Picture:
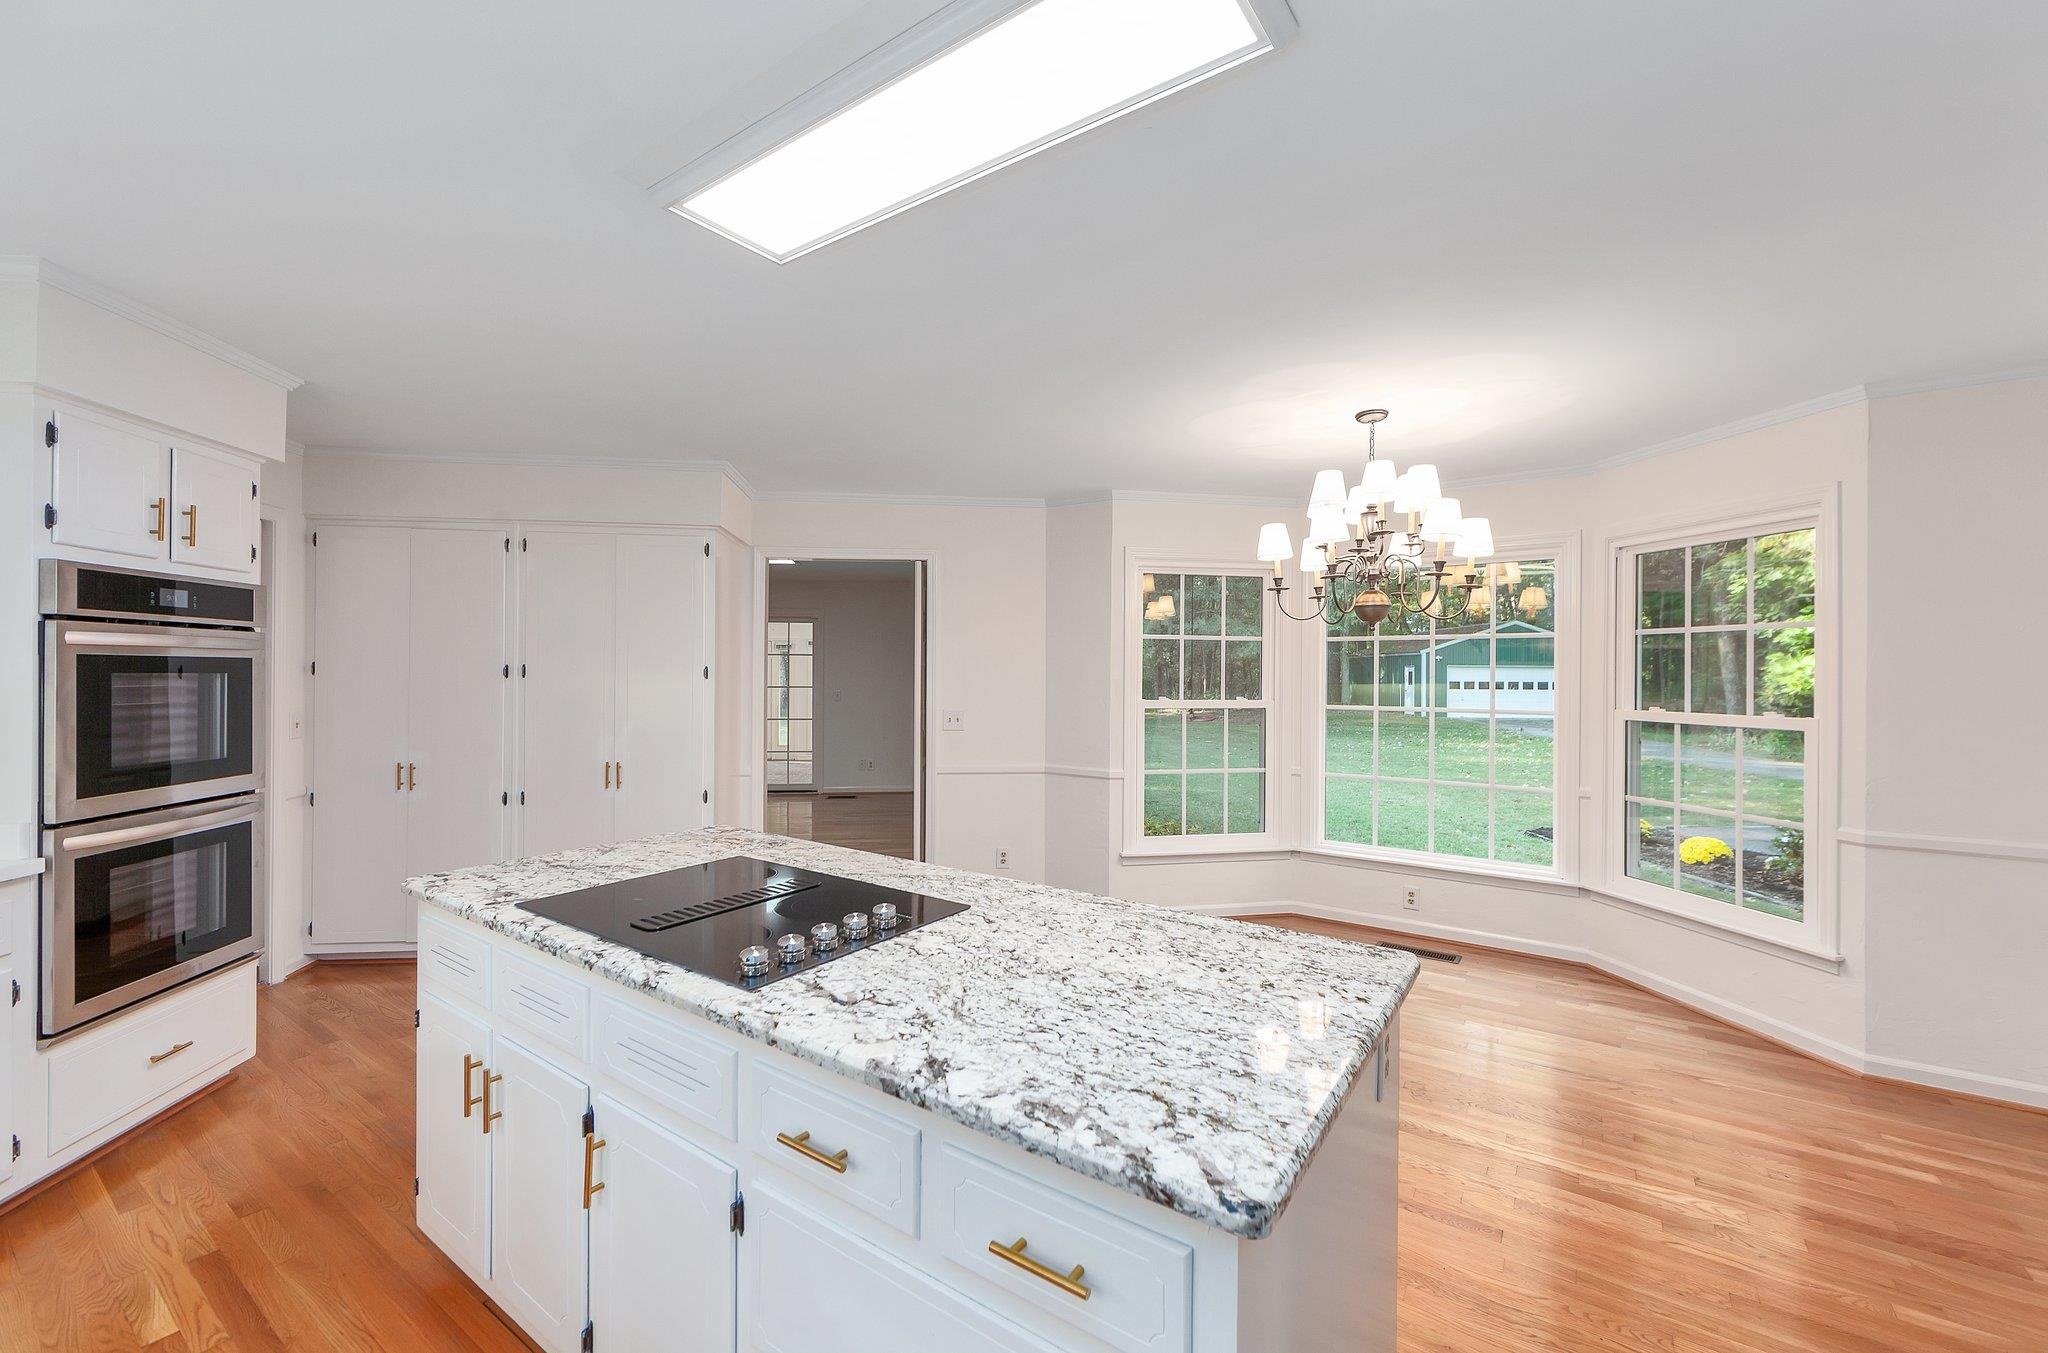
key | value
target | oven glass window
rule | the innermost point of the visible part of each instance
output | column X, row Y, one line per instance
column 145, row 722
column 139, row 910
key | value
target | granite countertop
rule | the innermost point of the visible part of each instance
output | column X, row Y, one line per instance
column 1191, row 1060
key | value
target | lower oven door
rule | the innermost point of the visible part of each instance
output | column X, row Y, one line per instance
column 135, row 905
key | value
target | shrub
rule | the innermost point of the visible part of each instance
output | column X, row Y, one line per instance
column 1643, row 829
column 1698, row 850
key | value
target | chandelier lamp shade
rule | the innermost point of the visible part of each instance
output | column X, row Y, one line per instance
column 1393, row 542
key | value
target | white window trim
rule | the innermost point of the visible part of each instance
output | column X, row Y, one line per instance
column 1564, row 772
column 1137, row 845
column 1819, row 933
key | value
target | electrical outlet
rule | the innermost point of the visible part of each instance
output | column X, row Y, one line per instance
column 1002, row 859
column 1408, row 901
column 298, row 726
column 956, row 721
column 867, row 765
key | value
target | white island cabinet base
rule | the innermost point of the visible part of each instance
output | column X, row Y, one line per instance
column 694, row 1130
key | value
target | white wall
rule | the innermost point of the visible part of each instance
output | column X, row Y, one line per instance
column 1955, row 840
column 864, row 672
column 986, row 657
column 285, row 580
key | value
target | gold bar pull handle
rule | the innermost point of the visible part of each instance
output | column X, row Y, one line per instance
column 166, row 1056
column 470, row 1066
column 191, row 515
column 162, row 529
column 1068, row 1282
column 801, row 1144
column 592, row 1144
column 398, row 776
column 410, row 783
column 607, row 775
column 618, row 775
column 490, row 1115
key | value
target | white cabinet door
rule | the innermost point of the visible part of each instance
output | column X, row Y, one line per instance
column 665, row 1209
column 215, row 516
column 362, row 576
column 7, row 1009
column 813, row 1288
column 540, row 1235
column 566, row 584
column 452, row 1152
column 660, row 684
column 457, row 695
column 111, row 486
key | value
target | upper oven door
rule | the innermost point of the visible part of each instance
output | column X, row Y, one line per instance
column 141, row 716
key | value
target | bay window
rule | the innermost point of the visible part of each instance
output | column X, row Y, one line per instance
column 1440, row 738
column 1717, row 725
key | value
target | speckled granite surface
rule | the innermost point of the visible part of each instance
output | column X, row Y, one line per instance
column 1188, row 1059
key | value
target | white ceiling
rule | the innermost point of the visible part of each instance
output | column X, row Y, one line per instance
column 1543, row 233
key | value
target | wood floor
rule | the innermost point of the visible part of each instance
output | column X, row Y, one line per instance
column 878, row 822
column 1584, row 1166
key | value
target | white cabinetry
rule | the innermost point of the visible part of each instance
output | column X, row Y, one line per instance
column 410, row 693
column 616, row 705
column 8, row 1009
column 540, row 1240
column 664, row 1207
column 450, row 1055
column 120, row 493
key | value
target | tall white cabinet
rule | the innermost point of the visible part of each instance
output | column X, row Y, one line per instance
column 410, row 707
column 486, row 692
column 615, row 704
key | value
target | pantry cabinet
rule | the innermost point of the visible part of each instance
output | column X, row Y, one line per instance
column 615, row 697
column 119, row 493
column 410, row 702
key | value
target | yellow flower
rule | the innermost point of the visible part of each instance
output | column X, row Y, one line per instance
column 1643, row 828
column 1703, row 850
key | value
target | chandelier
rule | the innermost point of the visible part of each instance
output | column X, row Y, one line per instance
column 1392, row 543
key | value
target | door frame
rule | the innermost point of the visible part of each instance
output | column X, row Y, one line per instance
column 923, row 833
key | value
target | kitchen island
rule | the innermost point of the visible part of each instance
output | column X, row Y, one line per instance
column 1049, row 1121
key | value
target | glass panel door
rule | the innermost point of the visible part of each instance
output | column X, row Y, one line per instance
column 791, row 755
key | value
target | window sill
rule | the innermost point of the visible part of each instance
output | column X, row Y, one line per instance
column 1482, row 871
column 1812, row 954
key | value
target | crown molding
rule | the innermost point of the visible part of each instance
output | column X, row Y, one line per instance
column 557, row 462
column 85, row 289
column 894, row 500
column 1894, row 389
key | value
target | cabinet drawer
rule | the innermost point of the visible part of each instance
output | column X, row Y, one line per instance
column 453, row 963
column 548, row 1005
column 691, row 1075
column 813, row 1288
column 870, row 1159
column 1139, row 1283
column 104, row 1075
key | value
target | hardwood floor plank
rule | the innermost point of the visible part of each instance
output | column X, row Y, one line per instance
column 1584, row 1167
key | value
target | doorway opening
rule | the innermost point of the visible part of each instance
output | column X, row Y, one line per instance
column 843, row 746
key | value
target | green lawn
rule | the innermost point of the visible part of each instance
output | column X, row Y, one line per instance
column 1520, row 755
column 1773, row 782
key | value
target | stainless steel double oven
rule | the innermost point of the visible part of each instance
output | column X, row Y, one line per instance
column 152, row 785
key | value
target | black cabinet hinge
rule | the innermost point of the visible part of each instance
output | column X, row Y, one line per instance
column 590, row 1122
column 316, row 540
column 17, row 1148
column 707, row 796
column 508, row 671
column 522, row 798
column 505, row 800
column 707, row 674
column 415, row 1186
column 49, row 515
column 522, row 544
column 309, row 798
column 50, row 433
column 737, row 1218
column 309, row 927
column 252, row 488
column 17, row 994
column 589, row 1336
column 707, row 549
column 522, row 671
column 252, row 554
column 415, row 1019
column 313, row 669
column 508, row 544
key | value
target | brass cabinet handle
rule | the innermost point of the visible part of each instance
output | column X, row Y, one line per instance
column 410, row 783
column 1069, row 1282
column 162, row 528
column 469, row 1101
column 490, row 1116
column 801, row 1144
column 166, row 1056
column 618, row 775
column 592, row 1144
column 191, row 515
column 398, row 775
column 607, row 775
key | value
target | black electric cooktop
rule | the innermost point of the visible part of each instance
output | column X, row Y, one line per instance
column 744, row 921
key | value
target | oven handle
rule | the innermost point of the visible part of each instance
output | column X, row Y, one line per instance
column 243, row 640
column 160, row 830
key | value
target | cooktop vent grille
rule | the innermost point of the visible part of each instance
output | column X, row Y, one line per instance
column 718, row 906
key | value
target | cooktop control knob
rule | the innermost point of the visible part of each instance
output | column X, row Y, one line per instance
column 826, row 936
column 791, row 947
column 754, row 960
column 855, row 924
column 885, row 915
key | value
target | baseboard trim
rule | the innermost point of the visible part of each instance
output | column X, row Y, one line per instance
column 1832, row 1052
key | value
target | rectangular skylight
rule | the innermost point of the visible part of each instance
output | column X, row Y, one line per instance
column 982, row 84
